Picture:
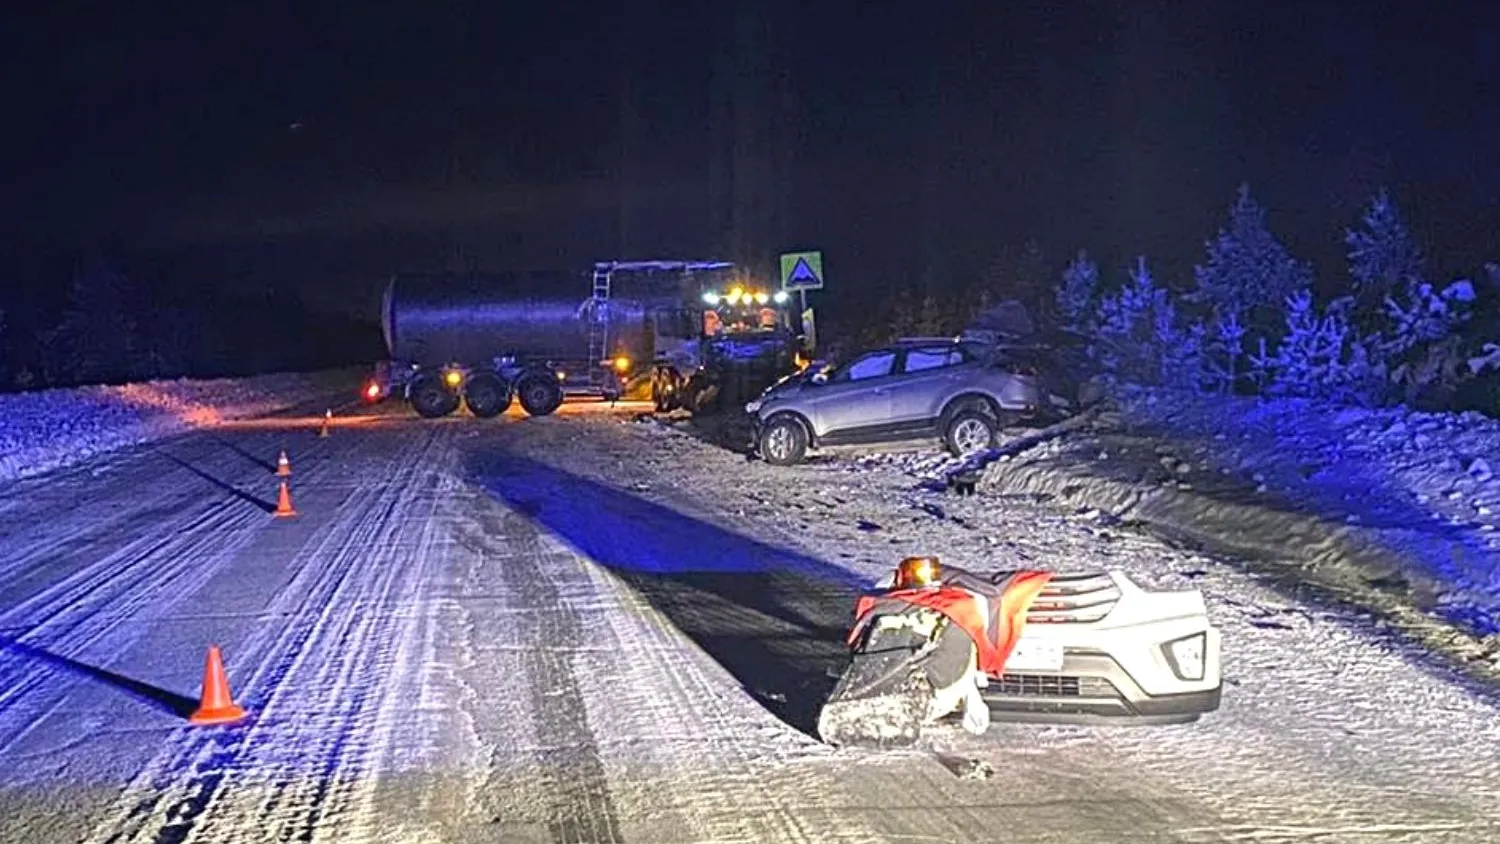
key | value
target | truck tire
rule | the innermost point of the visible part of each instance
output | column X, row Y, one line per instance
column 783, row 441
column 539, row 396
column 663, row 396
column 487, row 395
column 700, row 395
column 430, row 398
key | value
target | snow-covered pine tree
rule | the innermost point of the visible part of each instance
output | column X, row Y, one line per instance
column 1137, row 336
column 1178, row 350
column 1248, row 271
column 1223, row 351
column 1312, row 360
column 1117, row 346
column 1421, row 346
column 1383, row 256
column 1262, row 365
column 1077, row 291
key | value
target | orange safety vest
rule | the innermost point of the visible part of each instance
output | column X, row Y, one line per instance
column 994, row 637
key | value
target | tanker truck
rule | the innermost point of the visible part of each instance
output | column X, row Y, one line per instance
column 484, row 341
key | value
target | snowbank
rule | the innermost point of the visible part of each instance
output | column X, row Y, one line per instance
column 1386, row 507
column 50, row 429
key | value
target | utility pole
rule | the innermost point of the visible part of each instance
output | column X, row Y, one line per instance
column 629, row 130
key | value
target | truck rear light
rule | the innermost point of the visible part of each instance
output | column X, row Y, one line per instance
column 372, row 391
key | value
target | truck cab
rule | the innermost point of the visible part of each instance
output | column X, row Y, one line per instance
column 744, row 341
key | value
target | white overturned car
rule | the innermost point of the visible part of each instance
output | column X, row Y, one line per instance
column 1020, row 646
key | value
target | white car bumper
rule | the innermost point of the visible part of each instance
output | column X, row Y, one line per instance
column 1098, row 648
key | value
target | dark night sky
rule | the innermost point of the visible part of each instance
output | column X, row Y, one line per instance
column 896, row 136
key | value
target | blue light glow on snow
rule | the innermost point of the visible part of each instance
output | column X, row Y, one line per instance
column 774, row 618
column 626, row 532
column 1313, row 464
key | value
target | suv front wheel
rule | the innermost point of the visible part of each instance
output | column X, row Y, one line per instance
column 783, row 442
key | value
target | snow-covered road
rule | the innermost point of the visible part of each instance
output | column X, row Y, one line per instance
column 585, row 628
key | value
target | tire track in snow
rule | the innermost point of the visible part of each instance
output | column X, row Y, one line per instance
column 137, row 488
column 340, row 741
column 663, row 684
column 84, row 609
column 686, row 691
column 288, row 778
column 577, row 802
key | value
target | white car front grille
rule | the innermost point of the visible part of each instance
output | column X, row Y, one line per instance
column 1075, row 599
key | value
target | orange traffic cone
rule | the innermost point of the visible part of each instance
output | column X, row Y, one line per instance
column 327, row 419
column 283, row 466
column 215, row 705
column 284, row 503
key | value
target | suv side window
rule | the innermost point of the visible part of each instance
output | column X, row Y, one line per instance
column 872, row 365
column 938, row 357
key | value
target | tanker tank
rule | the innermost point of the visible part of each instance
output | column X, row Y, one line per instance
column 433, row 321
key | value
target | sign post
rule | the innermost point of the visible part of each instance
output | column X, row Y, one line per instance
column 810, row 330
column 802, row 271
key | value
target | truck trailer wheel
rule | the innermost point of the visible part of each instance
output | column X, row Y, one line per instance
column 539, row 396
column 430, row 398
column 486, row 395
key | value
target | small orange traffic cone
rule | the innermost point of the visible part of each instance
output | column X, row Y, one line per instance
column 284, row 503
column 327, row 420
column 215, row 705
column 283, row 466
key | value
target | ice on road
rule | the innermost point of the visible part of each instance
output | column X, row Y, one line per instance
column 584, row 628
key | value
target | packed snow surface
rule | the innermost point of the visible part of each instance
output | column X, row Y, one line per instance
column 49, row 429
column 587, row 628
column 1389, row 509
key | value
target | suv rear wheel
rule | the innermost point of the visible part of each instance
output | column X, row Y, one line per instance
column 969, row 431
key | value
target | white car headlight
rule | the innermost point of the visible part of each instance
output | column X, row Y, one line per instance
column 1187, row 656
column 754, row 406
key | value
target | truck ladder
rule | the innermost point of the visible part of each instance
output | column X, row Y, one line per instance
column 599, row 324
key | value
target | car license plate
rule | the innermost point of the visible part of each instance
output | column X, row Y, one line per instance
column 1035, row 655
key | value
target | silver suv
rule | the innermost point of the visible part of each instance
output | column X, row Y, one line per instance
column 958, row 391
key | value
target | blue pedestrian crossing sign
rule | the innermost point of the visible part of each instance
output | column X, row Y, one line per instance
column 802, row 271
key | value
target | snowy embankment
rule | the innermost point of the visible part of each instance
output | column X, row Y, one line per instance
column 51, row 429
column 1389, row 509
